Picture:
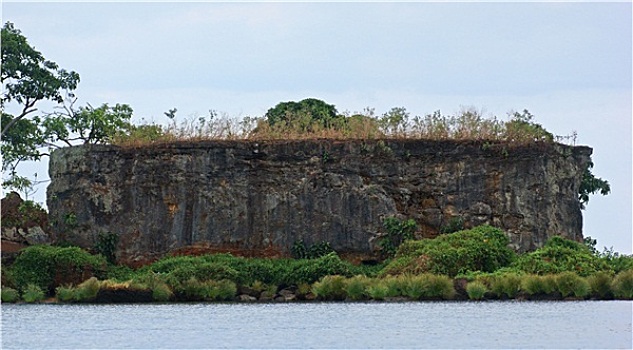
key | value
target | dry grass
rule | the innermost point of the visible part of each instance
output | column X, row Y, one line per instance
column 468, row 125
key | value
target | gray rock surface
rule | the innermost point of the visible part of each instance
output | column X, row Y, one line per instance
column 258, row 198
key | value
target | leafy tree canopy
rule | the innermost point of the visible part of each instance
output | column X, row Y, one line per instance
column 27, row 79
column 309, row 110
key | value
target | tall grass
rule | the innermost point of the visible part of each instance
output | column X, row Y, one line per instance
column 476, row 290
column 622, row 285
column 570, row 284
column 468, row 124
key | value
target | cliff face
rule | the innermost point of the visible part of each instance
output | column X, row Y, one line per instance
column 260, row 198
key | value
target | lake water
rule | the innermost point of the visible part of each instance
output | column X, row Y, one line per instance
column 511, row 324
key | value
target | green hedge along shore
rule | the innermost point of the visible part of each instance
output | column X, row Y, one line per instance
column 471, row 264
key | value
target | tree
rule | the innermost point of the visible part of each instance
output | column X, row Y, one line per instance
column 27, row 77
column 305, row 112
column 590, row 185
column 88, row 125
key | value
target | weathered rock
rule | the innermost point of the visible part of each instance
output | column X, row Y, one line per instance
column 35, row 235
column 246, row 297
column 244, row 196
column 23, row 222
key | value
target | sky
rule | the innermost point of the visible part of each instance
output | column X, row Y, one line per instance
column 569, row 64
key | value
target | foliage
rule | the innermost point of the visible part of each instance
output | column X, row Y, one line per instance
column 521, row 125
column 378, row 290
column 40, row 264
column 397, row 232
column 536, row 284
column 66, row 293
column 89, row 125
column 622, row 285
column 559, row 255
column 9, row 295
column 506, row 285
column 32, row 293
column 27, row 78
column 600, row 284
column 476, row 290
column 330, row 288
column 483, row 248
column 305, row 112
column 299, row 250
column 356, row 287
column 591, row 185
column 106, row 246
column 570, row 283
column 310, row 271
column 454, row 225
column 194, row 290
column 88, row 290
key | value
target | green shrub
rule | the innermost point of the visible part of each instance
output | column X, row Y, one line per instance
column 88, row 290
column 417, row 287
column 310, row 271
column 622, row 285
column 395, row 285
column 397, row 232
column 9, row 295
column 33, row 293
column 222, row 290
column 195, row 290
column 600, row 284
column 569, row 283
column 483, row 248
column 441, row 287
column 356, row 287
column 66, row 293
column 534, row 284
column 378, row 290
column 511, row 284
column 300, row 250
column 561, row 255
column 476, row 290
column 330, row 288
column 161, row 292
column 41, row 264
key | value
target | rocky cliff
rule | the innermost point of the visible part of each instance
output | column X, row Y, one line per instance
column 259, row 198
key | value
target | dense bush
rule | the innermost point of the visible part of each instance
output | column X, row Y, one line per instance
column 569, row 283
column 330, row 288
column 476, row 290
column 622, row 285
column 33, row 293
column 560, row 255
column 9, row 295
column 483, row 248
column 600, row 284
column 356, row 287
column 49, row 266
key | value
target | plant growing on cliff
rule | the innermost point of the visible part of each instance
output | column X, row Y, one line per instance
column 397, row 232
column 106, row 245
column 591, row 185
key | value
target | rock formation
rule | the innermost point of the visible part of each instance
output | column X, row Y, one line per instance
column 260, row 197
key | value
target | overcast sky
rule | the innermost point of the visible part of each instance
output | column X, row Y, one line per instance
column 569, row 64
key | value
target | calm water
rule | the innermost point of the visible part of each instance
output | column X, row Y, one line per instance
column 599, row 324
